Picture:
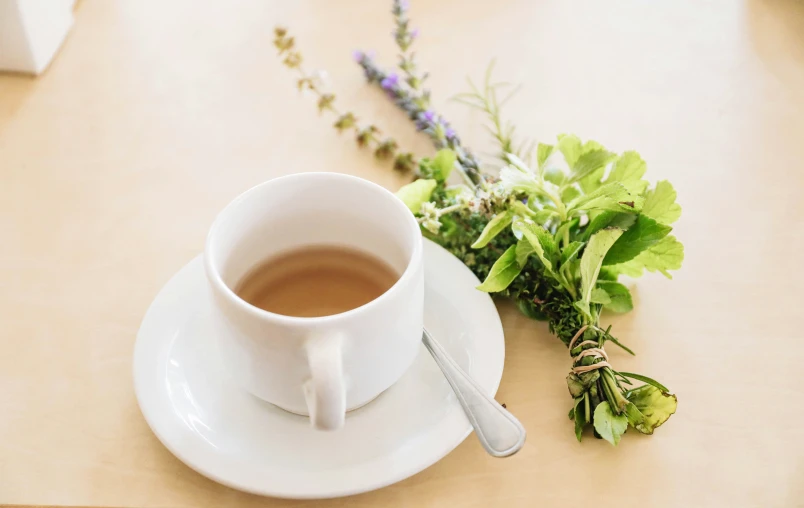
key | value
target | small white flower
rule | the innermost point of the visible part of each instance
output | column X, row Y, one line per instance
column 428, row 210
column 431, row 225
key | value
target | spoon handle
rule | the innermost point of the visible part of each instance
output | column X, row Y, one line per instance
column 499, row 431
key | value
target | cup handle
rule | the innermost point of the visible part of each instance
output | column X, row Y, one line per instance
column 325, row 391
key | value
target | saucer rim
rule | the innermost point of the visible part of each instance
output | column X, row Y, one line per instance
column 140, row 385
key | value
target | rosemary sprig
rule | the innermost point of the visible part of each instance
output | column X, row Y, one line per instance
column 486, row 101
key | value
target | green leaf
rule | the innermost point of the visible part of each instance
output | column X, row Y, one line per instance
column 570, row 252
column 663, row 256
column 523, row 251
column 543, row 243
column 543, row 215
column 415, row 194
column 600, row 296
column 570, row 146
column 646, row 379
column 591, row 146
column 655, row 405
column 660, row 203
column 633, row 415
column 592, row 259
column 644, row 233
column 628, row 171
column 611, row 196
column 575, row 385
column 609, row 425
column 589, row 162
column 502, row 273
column 453, row 191
column 542, row 153
column 583, row 308
column 494, row 227
column 606, row 273
column 443, row 163
column 619, row 295
column 592, row 181
column 606, row 218
column 569, row 194
column 554, row 176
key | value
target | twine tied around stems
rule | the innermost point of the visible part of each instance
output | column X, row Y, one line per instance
column 595, row 352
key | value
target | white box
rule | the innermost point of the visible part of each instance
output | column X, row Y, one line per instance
column 31, row 31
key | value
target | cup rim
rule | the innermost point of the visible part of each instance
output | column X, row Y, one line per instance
column 218, row 284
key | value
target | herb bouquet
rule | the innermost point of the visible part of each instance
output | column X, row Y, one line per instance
column 553, row 234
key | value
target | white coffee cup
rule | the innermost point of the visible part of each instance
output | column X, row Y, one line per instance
column 320, row 366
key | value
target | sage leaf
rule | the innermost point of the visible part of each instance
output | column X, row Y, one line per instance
column 620, row 297
column 502, row 273
column 609, row 425
column 655, row 405
column 415, row 194
column 643, row 234
column 494, row 227
column 592, row 259
column 660, row 203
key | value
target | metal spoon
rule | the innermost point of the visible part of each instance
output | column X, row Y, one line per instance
column 499, row 431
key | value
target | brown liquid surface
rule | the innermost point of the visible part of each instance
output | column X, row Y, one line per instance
column 316, row 281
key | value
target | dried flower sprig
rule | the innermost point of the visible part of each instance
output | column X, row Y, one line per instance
column 365, row 135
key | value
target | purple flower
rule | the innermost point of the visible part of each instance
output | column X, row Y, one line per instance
column 450, row 133
column 358, row 55
column 429, row 115
column 390, row 81
column 414, row 33
column 404, row 5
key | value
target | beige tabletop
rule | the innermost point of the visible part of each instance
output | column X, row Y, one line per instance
column 155, row 114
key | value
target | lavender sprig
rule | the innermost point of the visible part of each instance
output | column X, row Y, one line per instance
column 404, row 38
column 426, row 120
column 366, row 136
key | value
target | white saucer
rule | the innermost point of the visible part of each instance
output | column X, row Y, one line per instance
column 228, row 435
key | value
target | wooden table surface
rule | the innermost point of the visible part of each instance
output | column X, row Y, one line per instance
column 155, row 114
